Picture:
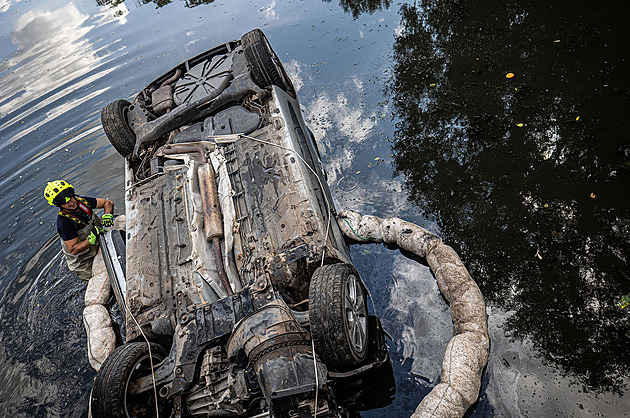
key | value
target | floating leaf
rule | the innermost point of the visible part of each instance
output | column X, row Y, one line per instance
column 432, row 85
column 592, row 195
column 538, row 254
column 578, row 118
column 509, row 75
column 520, row 125
column 358, row 172
column 377, row 158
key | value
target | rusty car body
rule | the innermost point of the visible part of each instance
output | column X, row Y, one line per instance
column 234, row 280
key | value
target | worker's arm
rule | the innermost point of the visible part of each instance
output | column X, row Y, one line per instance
column 75, row 246
column 105, row 204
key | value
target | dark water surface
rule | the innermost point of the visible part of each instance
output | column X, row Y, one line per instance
column 526, row 177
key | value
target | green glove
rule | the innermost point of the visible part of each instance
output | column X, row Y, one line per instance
column 92, row 238
column 107, row 220
column 99, row 229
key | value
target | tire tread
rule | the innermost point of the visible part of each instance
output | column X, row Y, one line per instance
column 116, row 128
column 261, row 60
column 326, row 314
column 108, row 393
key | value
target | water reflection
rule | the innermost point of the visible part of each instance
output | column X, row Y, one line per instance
column 357, row 7
column 158, row 3
column 38, row 380
column 526, row 173
column 354, row 7
column 41, row 40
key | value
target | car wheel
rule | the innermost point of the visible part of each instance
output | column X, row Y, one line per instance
column 338, row 316
column 113, row 118
column 265, row 66
column 110, row 394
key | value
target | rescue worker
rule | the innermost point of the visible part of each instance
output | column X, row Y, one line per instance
column 77, row 224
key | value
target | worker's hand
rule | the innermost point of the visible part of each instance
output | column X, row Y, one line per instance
column 92, row 238
column 107, row 220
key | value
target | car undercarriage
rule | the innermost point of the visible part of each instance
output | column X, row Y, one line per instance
column 235, row 283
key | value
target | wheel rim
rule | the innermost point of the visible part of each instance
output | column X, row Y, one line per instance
column 143, row 404
column 356, row 314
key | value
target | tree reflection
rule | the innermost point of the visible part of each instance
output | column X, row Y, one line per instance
column 358, row 7
column 355, row 7
column 158, row 3
column 527, row 175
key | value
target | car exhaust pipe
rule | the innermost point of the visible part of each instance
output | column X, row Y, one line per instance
column 212, row 219
column 212, row 222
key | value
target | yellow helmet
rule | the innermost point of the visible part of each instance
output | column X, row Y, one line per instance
column 58, row 192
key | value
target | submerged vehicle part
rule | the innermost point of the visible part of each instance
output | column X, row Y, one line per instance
column 235, row 266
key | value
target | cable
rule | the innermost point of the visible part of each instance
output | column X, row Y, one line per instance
column 316, row 377
column 157, row 408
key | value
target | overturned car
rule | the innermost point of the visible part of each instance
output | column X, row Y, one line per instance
column 235, row 283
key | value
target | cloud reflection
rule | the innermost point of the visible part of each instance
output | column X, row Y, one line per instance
column 332, row 116
column 294, row 71
column 52, row 50
column 114, row 12
column 4, row 5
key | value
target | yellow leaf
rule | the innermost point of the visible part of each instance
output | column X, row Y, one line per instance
column 538, row 255
column 592, row 195
column 377, row 158
column 578, row 118
column 358, row 172
column 509, row 75
column 520, row 125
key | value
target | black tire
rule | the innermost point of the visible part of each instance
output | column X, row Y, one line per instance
column 114, row 120
column 266, row 68
column 339, row 322
column 126, row 363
